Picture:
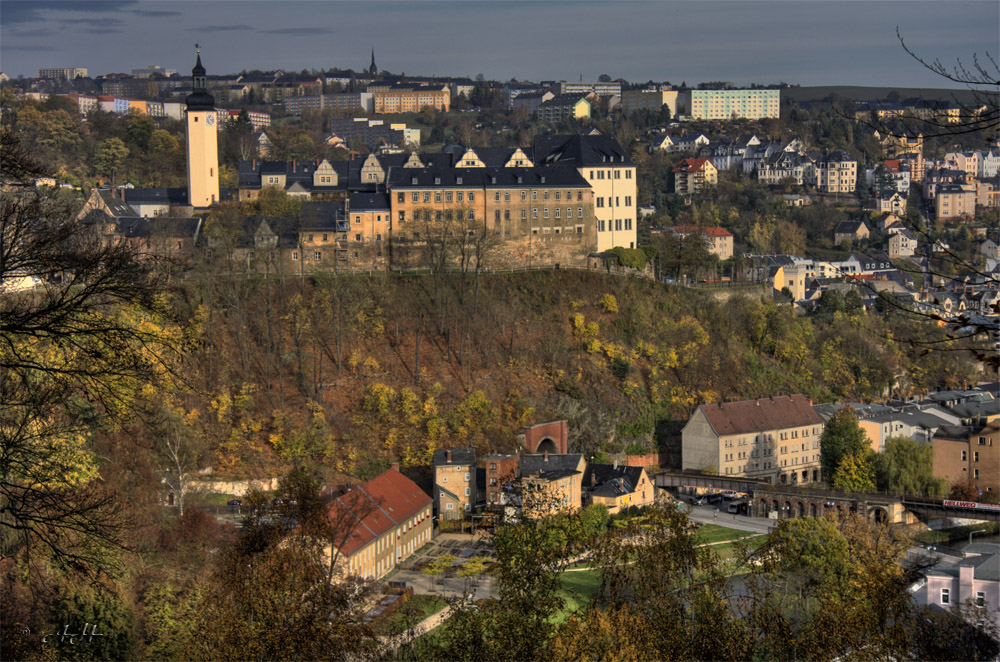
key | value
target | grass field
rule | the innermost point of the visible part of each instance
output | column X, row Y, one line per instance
column 710, row 533
column 577, row 589
column 415, row 610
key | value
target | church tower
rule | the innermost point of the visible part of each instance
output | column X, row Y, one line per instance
column 202, row 141
column 372, row 69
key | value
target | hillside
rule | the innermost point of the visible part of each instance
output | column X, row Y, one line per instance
column 352, row 372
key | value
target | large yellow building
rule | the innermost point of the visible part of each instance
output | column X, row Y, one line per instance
column 202, row 142
column 392, row 99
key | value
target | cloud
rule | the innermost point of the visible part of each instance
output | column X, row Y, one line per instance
column 157, row 12
column 20, row 11
column 97, row 22
column 33, row 48
column 100, row 30
column 220, row 28
column 38, row 32
column 298, row 31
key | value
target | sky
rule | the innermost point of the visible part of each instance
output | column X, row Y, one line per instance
column 805, row 42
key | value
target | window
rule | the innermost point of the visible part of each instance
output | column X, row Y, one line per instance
column 975, row 474
column 317, row 256
column 444, row 479
column 628, row 223
column 628, row 200
column 496, row 196
column 472, row 196
column 545, row 212
column 415, row 197
column 427, row 196
column 357, row 237
column 460, row 196
column 980, row 599
column 447, row 196
column 402, row 216
column 295, row 255
column 975, row 456
column 437, row 196
column 466, row 477
column 524, row 196
column 472, row 215
column 378, row 237
column 600, row 203
column 450, row 506
column 534, row 196
column 945, row 596
column 557, row 212
column 965, row 456
column 534, row 213
column 558, row 196
column 524, row 214
column 545, row 195
column 506, row 196
column 496, row 215
column 467, row 490
column 506, row 214
column 401, row 198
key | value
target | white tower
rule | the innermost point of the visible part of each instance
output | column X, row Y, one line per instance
column 202, row 141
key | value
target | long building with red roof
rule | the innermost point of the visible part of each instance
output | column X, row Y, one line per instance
column 774, row 439
column 380, row 523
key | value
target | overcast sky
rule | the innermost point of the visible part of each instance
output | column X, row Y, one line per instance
column 808, row 42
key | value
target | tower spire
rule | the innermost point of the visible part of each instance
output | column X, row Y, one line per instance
column 372, row 69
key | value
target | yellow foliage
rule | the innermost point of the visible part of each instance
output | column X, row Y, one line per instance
column 609, row 303
column 594, row 346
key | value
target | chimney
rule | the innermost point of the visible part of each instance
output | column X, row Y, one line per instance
column 253, row 164
column 546, row 456
column 593, row 479
column 447, row 456
column 293, row 165
column 395, row 466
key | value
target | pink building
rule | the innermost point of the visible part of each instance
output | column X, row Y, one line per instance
column 975, row 579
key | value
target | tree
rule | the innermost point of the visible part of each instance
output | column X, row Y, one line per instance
column 74, row 354
column 111, row 157
column 855, row 472
column 842, row 436
column 811, row 556
column 906, row 466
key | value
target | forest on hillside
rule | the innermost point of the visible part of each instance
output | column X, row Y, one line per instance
column 353, row 372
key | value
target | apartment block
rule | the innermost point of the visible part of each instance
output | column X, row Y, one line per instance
column 729, row 104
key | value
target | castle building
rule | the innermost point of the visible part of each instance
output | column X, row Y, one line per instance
column 202, row 142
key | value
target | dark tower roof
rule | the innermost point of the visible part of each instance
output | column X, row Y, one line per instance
column 199, row 99
column 372, row 69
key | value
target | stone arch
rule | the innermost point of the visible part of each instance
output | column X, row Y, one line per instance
column 813, row 510
column 776, row 506
column 800, row 509
column 879, row 514
column 547, row 445
column 787, row 508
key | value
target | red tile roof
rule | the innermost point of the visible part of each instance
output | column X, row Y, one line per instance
column 752, row 416
column 712, row 231
column 378, row 506
column 690, row 165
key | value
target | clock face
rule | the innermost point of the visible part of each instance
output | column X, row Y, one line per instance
column 210, row 120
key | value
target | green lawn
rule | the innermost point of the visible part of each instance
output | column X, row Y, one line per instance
column 577, row 589
column 710, row 533
column 414, row 611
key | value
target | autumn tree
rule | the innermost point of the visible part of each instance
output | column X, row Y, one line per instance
column 111, row 157
column 906, row 466
column 74, row 353
column 842, row 436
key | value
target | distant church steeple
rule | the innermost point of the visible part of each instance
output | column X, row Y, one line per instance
column 372, row 69
column 199, row 99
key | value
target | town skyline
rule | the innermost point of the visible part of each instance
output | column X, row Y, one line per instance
column 742, row 42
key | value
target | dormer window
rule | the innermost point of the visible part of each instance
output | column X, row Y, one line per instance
column 458, row 180
column 437, row 181
column 414, row 181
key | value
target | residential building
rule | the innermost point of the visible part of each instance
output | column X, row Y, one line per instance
column 258, row 120
column 902, row 244
column 651, row 100
column 63, row 73
column 785, row 166
column 617, row 487
column 729, row 104
column 837, row 173
column 528, row 102
column 501, row 473
column 608, row 89
column 972, row 581
column 550, row 483
column 969, row 454
column 379, row 524
column 773, row 439
column 967, row 162
column 609, row 171
column 403, row 98
column 454, row 482
column 720, row 240
column 562, row 106
column 689, row 143
column 693, row 176
column 850, row 231
column 890, row 202
column 989, row 164
column 955, row 201
column 988, row 193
